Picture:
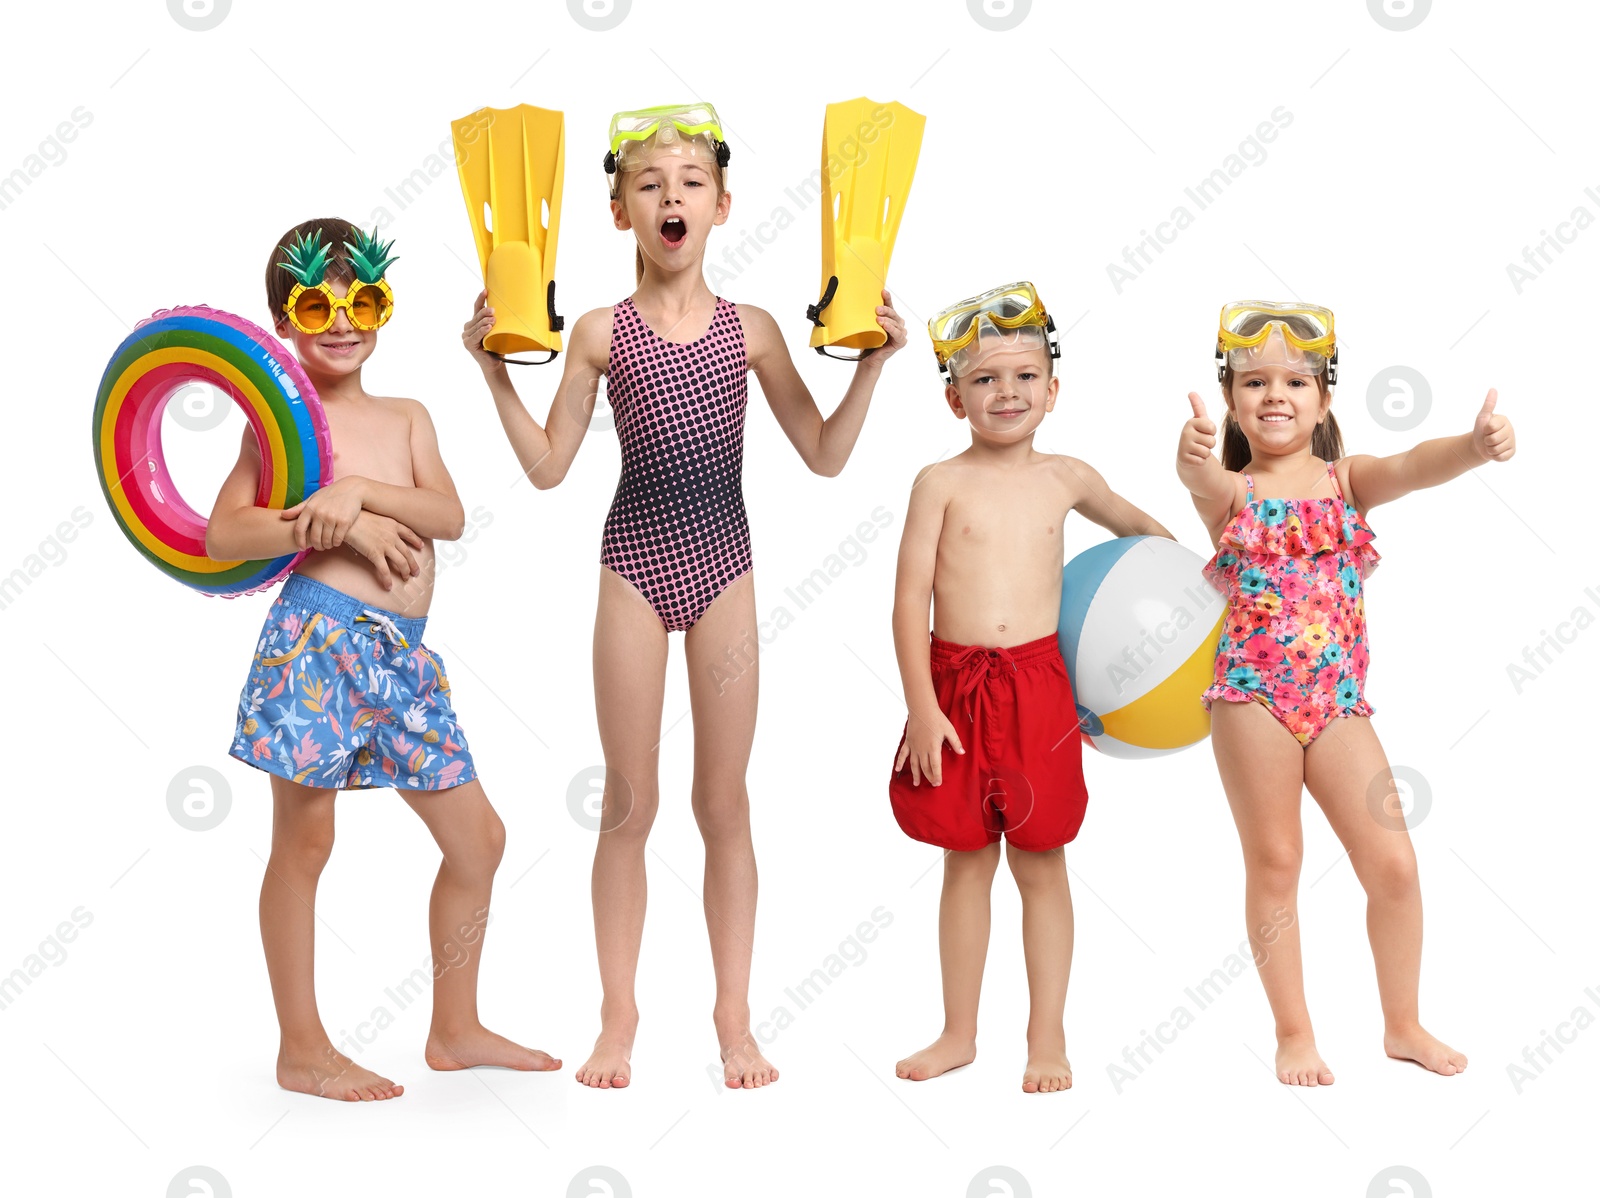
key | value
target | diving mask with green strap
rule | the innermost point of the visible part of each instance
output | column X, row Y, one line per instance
column 688, row 130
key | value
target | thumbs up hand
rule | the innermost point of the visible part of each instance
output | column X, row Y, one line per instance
column 1199, row 435
column 1492, row 435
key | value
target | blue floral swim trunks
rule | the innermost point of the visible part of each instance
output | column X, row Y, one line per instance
column 346, row 696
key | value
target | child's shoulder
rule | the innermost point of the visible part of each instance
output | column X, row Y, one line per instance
column 760, row 329
column 390, row 410
column 589, row 338
column 953, row 478
column 594, row 318
column 401, row 405
column 1070, row 471
column 937, row 481
column 1065, row 463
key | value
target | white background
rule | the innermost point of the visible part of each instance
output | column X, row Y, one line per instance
column 1417, row 165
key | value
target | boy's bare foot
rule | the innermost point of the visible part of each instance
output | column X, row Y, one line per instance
column 328, row 1073
column 1414, row 1043
column 1047, row 1071
column 944, row 1054
column 607, row 1067
column 1299, row 1063
column 477, row 1045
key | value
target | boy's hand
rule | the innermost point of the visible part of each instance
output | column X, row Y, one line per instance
column 385, row 543
column 479, row 327
column 924, row 745
column 1199, row 435
column 1492, row 435
column 323, row 520
column 894, row 329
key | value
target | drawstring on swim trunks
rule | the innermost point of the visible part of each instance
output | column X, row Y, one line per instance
column 387, row 624
column 975, row 664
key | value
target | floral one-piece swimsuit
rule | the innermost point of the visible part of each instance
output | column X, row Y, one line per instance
column 1295, row 635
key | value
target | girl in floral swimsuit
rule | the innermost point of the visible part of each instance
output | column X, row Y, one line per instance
column 1292, row 659
column 1295, row 638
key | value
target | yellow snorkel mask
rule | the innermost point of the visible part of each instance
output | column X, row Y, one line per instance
column 1256, row 333
column 692, row 129
column 1008, row 309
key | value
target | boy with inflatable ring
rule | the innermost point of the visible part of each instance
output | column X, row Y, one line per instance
column 343, row 694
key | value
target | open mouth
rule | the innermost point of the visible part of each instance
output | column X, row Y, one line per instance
column 673, row 230
column 339, row 347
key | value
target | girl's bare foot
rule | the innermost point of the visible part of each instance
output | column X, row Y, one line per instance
column 1414, row 1043
column 1299, row 1063
column 328, row 1073
column 1047, row 1071
column 743, row 1066
column 607, row 1067
column 944, row 1054
column 477, row 1045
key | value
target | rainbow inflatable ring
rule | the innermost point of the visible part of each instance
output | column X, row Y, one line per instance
column 165, row 353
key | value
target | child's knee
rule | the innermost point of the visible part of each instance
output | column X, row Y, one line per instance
column 629, row 811
column 1275, row 864
column 302, row 834
column 1036, row 869
column 1389, row 875
column 494, row 840
column 303, row 850
column 722, row 809
column 977, row 863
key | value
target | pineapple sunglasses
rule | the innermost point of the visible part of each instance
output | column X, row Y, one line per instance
column 312, row 306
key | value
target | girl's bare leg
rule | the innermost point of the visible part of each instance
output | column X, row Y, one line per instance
column 302, row 839
column 1343, row 767
column 630, row 669
column 723, row 655
column 472, row 839
column 1047, row 949
column 1262, row 767
column 963, row 945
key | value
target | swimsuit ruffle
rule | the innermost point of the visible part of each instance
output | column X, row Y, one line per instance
column 1274, row 528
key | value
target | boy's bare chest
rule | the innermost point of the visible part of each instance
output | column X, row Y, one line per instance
column 1004, row 524
column 373, row 444
column 1021, row 511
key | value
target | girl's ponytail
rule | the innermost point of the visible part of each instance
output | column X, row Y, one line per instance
column 1326, row 442
column 1235, row 448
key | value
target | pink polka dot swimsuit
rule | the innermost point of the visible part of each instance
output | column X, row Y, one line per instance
column 677, row 528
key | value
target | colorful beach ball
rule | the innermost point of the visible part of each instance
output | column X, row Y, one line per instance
column 1139, row 628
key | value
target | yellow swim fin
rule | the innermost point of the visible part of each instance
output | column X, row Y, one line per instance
column 511, row 161
column 869, row 154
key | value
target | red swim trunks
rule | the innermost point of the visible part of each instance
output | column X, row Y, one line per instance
column 1022, row 772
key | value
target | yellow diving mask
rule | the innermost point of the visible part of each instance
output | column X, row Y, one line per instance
column 1014, row 307
column 1304, row 340
column 692, row 128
